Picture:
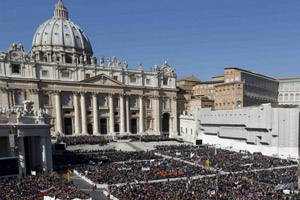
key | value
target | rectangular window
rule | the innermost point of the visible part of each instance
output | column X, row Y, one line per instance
column 87, row 75
column 45, row 73
column 116, row 78
column 148, row 81
column 132, row 102
column 133, row 79
column 166, row 104
column 15, row 69
column 65, row 74
column 102, row 101
column 165, row 81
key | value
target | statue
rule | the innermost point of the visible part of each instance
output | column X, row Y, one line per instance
column 74, row 59
column 140, row 66
column 119, row 64
column 114, row 60
column 81, row 59
column 20, row 46
column 54, row 57
column 109, row 62
column 28, row 105
column 155, row 67
column 126, row 65
column 93, row 60
column 101, row 61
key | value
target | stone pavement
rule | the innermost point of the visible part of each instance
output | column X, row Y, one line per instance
column 87, row 188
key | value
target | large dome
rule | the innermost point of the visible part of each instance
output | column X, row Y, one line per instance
column 60, row 34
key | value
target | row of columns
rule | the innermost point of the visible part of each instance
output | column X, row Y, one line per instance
column 124, row 113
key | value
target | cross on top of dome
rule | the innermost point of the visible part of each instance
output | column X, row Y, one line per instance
column 60, row 10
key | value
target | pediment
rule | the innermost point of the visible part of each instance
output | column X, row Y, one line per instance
column 102, row 79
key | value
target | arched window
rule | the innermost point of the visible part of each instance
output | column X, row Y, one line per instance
column 280, row 97
column 66, row 100
column 292, row 97
column 166, row 104
column 18, row 97
column 297, row 96
column 46, row 100
column 286, row 97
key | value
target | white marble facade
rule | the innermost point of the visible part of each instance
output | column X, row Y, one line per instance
column 289, row 91
column 83, row 97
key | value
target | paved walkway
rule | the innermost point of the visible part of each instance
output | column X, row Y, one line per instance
column 87, row 188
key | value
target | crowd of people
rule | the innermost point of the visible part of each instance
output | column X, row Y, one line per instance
column 35, row 187
column 225, row 160
column 231, row 186
column 100, row 156
column 86, row 139
column 127, row 172
column 151, row 138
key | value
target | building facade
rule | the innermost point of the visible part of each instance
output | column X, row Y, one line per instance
column 272, row 131
column 61, row 75
column 289, row 91
column 242, row 88
column 25, row 141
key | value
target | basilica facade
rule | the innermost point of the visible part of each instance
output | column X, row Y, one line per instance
column 84, row 96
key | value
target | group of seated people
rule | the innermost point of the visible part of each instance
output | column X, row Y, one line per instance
column 127, row 172
column 35, row 187
column 242, row 186
column 223, row 159
column 99, row 156
column 85, row 139
column 151, row 138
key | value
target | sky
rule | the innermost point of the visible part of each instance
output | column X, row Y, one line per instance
column 198, row 37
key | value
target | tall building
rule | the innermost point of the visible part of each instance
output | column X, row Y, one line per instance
column 289, row 91
column 243, row 88
column 185, row 92
column 61, row 75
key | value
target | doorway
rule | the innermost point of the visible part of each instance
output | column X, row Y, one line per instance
column 90, row 129
column 165, row 123
column 133, row 127
column 68, row 126
column 103, row 126
column 33, row 154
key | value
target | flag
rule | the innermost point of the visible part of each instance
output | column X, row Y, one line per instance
column 192, row 155
column 215, row 151
column 236, row 182
column 207, row 163
column 43, row 192
column 69, row 176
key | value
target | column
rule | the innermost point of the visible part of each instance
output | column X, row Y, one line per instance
column 58, row 113
column 141, row 114
column 175, row 117
column 5, row 98
column 157, row 116
column 44, row 153
column 95, row 114
column 122, row 114
column 76, row 112
column 127, row 113
column 22, row 154
column 35, row 98
column 83, row 114
column 111, row 114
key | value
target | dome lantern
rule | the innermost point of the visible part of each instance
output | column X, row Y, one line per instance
column 61, row 10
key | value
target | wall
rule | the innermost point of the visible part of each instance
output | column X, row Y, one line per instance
column 259, row 129
column 188, row 129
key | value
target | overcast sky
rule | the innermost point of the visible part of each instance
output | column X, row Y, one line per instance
column 195, row 36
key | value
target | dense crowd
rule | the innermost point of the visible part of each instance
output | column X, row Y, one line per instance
column 225, row 160
column 128, row 172
column 100, row 156
column 86, row 139
column 151, row 138
column 30, row 187
column 233, row 187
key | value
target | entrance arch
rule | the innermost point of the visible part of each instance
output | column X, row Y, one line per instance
column 166, row 123
column 90, row 129
column 133, row 127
